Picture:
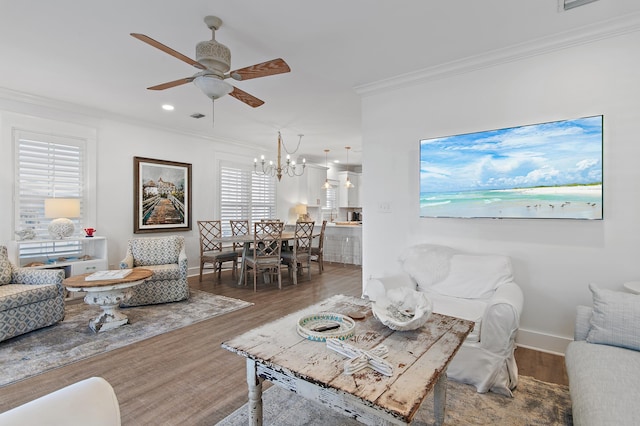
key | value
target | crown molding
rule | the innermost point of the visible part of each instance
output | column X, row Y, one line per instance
column 584, row 35
column 15, row 101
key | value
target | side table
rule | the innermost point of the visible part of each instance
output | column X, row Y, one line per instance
column 107, row 294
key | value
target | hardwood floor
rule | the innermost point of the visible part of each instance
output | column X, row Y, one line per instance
column 185, row 378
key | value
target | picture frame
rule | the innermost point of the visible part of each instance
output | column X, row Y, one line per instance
column 550, row 170
column 162, row 195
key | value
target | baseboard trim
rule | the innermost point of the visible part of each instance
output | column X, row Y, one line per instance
column 542, row 342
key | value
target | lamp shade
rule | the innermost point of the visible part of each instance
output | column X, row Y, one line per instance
column 55, row 208
column 213, row 87
column 60, row 210
column 301, row 209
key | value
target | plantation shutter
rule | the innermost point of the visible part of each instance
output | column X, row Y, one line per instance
column 245, row 195
column 47, row 166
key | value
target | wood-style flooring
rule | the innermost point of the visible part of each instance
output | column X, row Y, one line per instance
column 185, row 378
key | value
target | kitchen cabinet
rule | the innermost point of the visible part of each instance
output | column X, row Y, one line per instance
column 350, row 197
column 315, row 177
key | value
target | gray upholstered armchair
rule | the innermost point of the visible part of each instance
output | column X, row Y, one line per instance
column 167, row 259
column 29, row 298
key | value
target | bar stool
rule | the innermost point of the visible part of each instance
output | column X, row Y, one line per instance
column 349, row 248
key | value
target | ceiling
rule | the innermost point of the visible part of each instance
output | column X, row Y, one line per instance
column 80, row 52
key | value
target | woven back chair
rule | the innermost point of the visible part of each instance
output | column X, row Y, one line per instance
column 317, row 252
column 265, row 255
column 299, row 257
column 239, row 227
column 211, row 250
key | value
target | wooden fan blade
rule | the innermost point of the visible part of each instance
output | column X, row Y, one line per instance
column 272, row 67
column 248, row 99
column 171, row 84
column 168, row 50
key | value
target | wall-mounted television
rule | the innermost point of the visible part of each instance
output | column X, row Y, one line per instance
column 549, row 170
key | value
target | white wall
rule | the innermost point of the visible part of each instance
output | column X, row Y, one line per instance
column 554, row 260
column 117, row 142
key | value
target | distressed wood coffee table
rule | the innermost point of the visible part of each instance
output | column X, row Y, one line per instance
column 276, row 352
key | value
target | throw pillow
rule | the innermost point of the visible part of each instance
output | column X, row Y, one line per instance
column 475, row 276
column 427, row 264
column 5, row 266
column 616, row 318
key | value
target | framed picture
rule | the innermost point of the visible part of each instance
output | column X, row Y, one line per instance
column 162, row 195
column 541, row 171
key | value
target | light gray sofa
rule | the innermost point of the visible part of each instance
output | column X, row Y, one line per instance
column 29, row 298
column 603, row 362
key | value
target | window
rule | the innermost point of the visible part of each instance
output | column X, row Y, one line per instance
column 47, row 166
column 245, row 195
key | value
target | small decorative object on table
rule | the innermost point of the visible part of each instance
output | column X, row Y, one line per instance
column 26, row 234
column 322, row 326
column 402, row 309
column 114, row 274
column 90, row 231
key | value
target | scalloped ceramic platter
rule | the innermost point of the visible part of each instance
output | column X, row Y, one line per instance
column 326, row 325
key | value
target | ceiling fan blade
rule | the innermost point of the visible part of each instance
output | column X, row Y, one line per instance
column 171, row 84
column 272, row 67
column 248, row 99
column 168, row 50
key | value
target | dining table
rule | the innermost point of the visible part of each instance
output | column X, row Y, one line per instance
column 248, row 239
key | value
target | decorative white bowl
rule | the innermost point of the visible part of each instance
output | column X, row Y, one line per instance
column 326, row 325
column 402, row 309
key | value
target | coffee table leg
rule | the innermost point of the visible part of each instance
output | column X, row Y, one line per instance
column 109, row 301
column 255, row 394
column 440, row 398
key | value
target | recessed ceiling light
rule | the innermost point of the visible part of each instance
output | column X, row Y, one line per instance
column 168, row 107
column 336, row 161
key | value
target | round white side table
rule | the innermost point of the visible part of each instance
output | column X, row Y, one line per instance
column 632, row 286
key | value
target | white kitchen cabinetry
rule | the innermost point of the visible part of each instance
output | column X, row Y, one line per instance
column 350, row 197
column 76, row 256
column 315, row 177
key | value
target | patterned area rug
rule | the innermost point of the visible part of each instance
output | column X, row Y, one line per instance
column 71, row 340
column 534, row 403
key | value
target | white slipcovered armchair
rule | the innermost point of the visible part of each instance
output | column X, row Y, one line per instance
column 475, row 287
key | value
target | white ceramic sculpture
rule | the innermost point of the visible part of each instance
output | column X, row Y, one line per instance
column 402, row 309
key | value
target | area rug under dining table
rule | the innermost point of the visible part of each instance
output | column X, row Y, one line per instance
column 71, row 340
column 534, row 403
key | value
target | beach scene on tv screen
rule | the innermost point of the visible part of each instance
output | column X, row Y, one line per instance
column 549, row 171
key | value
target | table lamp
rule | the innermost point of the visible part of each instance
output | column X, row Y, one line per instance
column 60, row 210
column 301, row 211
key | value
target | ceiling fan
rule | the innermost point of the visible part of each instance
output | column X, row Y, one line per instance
column 213, row 59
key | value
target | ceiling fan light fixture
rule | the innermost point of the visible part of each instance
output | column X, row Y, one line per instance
column 212, row 86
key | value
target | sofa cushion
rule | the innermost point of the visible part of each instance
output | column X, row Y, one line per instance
column 155, row 251
column 471, row 310
column 169, row 271
column 475, row 276
column 5, row 266
column 14, row 295
column 604, row 382
column 616, row 318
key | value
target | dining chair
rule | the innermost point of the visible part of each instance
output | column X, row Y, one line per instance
column 211, row 250
column 299, row 257
column 266, row 251
column 317, row 254
column 239, row 227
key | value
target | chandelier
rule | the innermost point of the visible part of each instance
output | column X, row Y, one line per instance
column 290, row 168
